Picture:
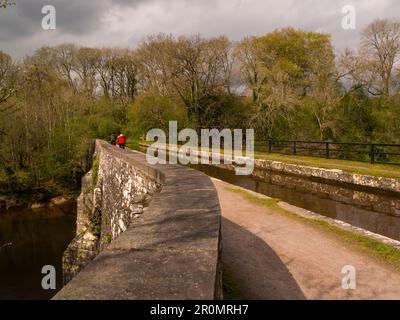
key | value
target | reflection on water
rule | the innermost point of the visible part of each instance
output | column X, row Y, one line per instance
column 379, row 213
column 38, row 238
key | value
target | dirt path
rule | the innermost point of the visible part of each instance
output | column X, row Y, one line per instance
column 271, row 256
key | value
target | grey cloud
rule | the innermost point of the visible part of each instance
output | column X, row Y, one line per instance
column 73, row 16
column 129, row 3
column 125, row 22
column 24, row 20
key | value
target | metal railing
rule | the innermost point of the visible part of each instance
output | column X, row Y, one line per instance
column 375, row 153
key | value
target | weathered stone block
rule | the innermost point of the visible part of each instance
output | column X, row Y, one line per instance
column 160, row 232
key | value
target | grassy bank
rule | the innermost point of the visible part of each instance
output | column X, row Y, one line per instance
column 20, row 194
column 380, row 250
column 133, row 144
column 378, row 170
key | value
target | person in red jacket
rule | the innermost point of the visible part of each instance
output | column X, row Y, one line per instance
column 121, row 140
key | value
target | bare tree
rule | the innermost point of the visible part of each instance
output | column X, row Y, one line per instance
column 154, row 63
column 65, row 62
column 247, row 53
column 380, row 42
column 7, row 80
column 125, row 76
column 191, row 68
column 200, row 68
column 85, row 67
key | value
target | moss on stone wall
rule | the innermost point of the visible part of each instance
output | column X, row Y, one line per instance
column 95, row 170
column 107, row 238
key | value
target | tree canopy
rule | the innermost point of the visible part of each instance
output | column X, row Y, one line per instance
column 286, row 84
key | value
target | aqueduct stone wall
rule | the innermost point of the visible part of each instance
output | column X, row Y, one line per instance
column 144, row 232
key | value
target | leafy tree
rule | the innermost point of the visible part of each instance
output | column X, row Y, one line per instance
column 225, row 111
column 287, row 84
column 152, row 110
column 284, row 69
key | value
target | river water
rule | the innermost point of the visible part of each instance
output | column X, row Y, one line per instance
column 31, row 239
column 39, row 237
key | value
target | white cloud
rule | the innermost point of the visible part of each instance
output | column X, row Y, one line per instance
column 125, row 23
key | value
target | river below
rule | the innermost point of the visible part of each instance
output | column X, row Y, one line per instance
column 29, row 240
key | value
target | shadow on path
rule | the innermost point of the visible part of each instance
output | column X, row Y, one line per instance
column 256, row 270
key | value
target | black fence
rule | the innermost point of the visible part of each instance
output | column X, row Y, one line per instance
column 376, row 153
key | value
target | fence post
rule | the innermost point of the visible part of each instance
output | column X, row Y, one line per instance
column 270, row 145
column 294, row 148
column 372, row 153
column 327, row 150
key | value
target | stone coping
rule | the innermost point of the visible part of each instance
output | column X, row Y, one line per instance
column 171, row 252
column 334, row 175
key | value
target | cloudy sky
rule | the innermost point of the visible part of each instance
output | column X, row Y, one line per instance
column 125, row 23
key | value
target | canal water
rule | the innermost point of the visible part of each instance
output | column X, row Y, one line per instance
column 29, row 240
column 370, row 209
column 378, row 212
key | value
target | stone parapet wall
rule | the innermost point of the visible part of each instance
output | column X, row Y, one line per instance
column 144, row 232
column 341, row 176
column 334, row 175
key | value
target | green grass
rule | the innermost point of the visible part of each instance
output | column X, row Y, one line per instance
column 380, row 250
column 379, row 170
column 133, row 144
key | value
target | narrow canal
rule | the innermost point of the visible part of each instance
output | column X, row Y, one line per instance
column 366, row 208
column 31, row 239
column 377, row 212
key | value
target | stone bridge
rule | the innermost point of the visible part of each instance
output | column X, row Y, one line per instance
column 144, row 232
